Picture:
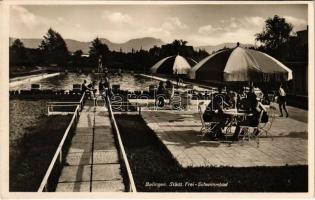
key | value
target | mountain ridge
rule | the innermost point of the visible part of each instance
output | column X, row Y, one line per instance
column 144, row 43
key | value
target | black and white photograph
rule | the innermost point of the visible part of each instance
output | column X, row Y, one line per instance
column 167, row 97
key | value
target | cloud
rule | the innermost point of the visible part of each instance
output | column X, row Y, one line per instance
column 173, row 23
column 253, row 21
column 233, row 25
column 297, row 23
column 117, row 17
column 230, row 30
column 208, row 29
column 29, row 20
column 156, row 31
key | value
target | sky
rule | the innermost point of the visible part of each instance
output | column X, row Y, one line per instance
column 198, row 24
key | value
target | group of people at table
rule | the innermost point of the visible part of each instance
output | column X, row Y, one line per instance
column 239, row 109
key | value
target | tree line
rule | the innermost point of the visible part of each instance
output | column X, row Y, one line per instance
column 276, row 40
column 53, row 52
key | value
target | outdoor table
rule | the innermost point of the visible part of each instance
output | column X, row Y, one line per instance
column 235, row 115
column 235, row 112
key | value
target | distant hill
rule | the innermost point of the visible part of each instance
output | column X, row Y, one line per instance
column 73, row 45
column 211, row 48
column 145, row 43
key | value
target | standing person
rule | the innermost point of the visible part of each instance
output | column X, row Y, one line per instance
column 107, row 86
column 282, row 101
column 105, row 83
column 101, row 86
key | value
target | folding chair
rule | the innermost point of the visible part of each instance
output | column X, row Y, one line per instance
column 207, row 127
column 246, row 134
column 265, row 127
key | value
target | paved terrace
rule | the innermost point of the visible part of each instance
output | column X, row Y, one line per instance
column 92, row 163
column 179, row 132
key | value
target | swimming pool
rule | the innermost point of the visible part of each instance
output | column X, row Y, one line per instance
column 126, row 81
column 29, row 121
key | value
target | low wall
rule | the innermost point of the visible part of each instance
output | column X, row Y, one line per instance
column 298, row 101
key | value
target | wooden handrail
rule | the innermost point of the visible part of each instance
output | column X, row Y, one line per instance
column 122, row 149
column 58, row 152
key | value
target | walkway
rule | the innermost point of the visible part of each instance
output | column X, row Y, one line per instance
column 92, row 163
column 179, row 131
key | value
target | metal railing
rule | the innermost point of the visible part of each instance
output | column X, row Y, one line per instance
column 125, row 106
column 52, row 105
column 132, row 186
column 54, row 165
column 57, row 161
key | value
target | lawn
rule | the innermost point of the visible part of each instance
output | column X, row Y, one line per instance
column 34, row 138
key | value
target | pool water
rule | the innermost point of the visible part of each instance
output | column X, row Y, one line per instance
column 126, row 81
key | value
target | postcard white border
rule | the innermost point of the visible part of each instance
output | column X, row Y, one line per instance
column 4, row 108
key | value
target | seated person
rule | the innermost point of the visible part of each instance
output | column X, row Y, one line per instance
column 251, row 121
column 101, row 87
column 265, row 100
column 160, row 94
column 250, row 101
column 232, row 99
column 91, row 88
column 169, row 89
column 84, row 88
column 241, row 103
column 214, row 113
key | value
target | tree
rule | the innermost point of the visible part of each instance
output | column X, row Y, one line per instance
column 17, row 53
column 76, row 58
column 98, row 50
column 54, row 49
column 276, row 32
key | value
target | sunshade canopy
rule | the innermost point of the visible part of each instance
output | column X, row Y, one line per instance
column 240, row 64
column 173, row 65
